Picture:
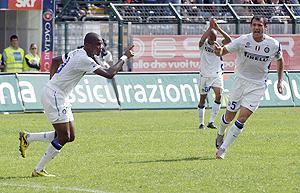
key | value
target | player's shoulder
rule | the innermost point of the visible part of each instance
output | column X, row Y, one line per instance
column 246, row 37
column 271, row 39
column 77, row 53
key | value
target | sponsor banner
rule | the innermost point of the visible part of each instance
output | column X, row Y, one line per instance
column 31, row 87
column 92, row 92
column 47, row 34
column 135, row 91
column 158, row 91
column 294, row 80
column 24, row 4
column 169, row 53
column 10, row 98
column 272, row 97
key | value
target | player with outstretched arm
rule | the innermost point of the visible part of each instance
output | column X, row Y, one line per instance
column 65, row 72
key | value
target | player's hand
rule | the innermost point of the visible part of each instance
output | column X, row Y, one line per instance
column 213, row 24
column 129, row 51
column 218, row 49
column 279, row 87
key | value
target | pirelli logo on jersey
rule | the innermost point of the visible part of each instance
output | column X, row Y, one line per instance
column 256, row 57
column 208, row 49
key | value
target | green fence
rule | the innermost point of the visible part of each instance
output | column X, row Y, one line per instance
column 22, row 92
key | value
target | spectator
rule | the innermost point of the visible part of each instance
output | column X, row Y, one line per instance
column 13, row 56
column 32, row 60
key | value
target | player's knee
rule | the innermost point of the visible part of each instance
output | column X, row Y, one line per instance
column 63, row 139
column 72, row 138
column 218, row 98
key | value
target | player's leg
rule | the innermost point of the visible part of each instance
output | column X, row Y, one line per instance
column 249, row 104
column 237, row 127
column 58, row 111
column 63, row 136
column 26, row 138
column 201, row 110
column 71, row 131
column 216, row 106
column 224, row 123
column 40, row 136
column 232, row 108
column 204, row 87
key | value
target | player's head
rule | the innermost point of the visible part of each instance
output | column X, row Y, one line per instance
column 258, row 26
column 93, row 44
column 14, row 41
column 212, row 37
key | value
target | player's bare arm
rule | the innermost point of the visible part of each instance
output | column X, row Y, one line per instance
column 227, row 38
column 279, row 74
column 206, row 34
column 113, row 70
column 56, row 62
column 220, row 50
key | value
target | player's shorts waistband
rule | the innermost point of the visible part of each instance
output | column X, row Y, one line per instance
column 55, row 88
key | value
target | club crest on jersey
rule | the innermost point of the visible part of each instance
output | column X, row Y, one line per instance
column 267, row 49
column 247, row 45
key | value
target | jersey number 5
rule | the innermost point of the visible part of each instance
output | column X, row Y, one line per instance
column 232, row 105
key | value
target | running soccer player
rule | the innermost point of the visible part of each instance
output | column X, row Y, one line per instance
column 255, row 52
column 65, row 72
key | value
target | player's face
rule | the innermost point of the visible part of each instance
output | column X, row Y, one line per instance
column 258, row 28
column 212, row 38
column 97, row 46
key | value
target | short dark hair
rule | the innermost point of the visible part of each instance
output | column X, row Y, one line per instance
column 259, row 18
column 13, row 37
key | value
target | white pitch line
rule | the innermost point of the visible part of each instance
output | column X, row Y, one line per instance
column 53, row 187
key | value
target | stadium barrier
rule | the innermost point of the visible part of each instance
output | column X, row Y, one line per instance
column 22, row 92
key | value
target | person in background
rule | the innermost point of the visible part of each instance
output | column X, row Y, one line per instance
column 211, row 72
column 105, row 57
column 32, row 59
column 13, row 56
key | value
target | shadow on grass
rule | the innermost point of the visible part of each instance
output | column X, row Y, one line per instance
column 14, row 177
column 170, row 160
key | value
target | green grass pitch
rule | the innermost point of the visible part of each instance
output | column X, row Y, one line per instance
column 156, row 151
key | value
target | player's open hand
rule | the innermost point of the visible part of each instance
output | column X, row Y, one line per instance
column 213, row 23
column 279, row 87
column 129, row 51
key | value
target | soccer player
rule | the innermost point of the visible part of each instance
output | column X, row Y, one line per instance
column 255, row 52
column 211, row 72
column 65, row 72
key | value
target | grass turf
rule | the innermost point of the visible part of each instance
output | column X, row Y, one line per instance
column 156, row 151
